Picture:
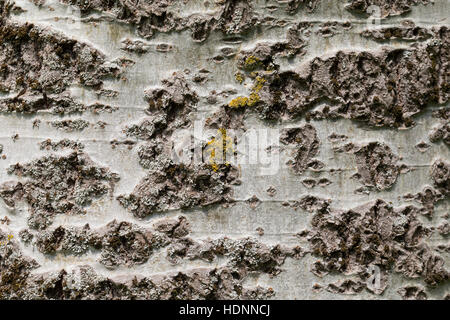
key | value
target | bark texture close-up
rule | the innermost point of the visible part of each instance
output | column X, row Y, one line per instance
column 224, row 149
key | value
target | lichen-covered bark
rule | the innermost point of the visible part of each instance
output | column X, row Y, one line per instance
column 102, row 101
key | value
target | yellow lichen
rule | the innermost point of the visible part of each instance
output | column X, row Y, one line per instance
column 223, row 145
column 259, row 83
column 251, row 61
column 239, row 77
column 9, row 239
column 254, row 97
column 238, row 102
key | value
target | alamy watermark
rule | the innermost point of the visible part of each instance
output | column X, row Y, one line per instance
column 374, row 16
column 227, row 146
column 374, row 280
